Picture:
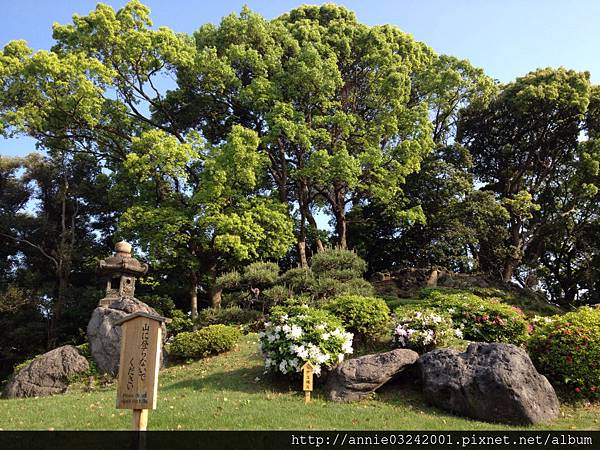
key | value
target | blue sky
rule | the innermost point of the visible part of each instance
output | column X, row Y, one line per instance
column 507, row 38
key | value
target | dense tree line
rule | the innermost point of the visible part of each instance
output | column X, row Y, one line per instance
column 218, row 149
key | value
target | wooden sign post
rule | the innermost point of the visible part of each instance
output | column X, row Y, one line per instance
column 141, row 340
column 307, row 380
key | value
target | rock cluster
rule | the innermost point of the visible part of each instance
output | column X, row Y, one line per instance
column 357, row 378
column 48, row 374
column 491, row 382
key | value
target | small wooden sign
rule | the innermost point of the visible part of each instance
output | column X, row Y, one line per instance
column 307, row 380
column 141, row 340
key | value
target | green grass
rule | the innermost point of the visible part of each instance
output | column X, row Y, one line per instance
column 230, row 392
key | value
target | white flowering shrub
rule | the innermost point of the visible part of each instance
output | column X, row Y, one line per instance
column 423, row 329
column 297, row 334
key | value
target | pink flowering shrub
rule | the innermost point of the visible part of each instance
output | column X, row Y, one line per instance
column 566, row 349
column 480, row 320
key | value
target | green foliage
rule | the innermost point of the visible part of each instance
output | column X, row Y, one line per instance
column 208, row 341
column 180, row 322
column 298, row 334
column 229, row 280
column 85, row 351
column 480, row 320
column 277, row 295
column 261, row 274
column 163, row 304
column 365, row 317
column 341, row 265
column 422, row 329
column 566, row 349
column 249, row 320
column 530, row 303
column 525, row 145
column 298, row 280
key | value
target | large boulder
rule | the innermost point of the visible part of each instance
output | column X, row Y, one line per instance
column 491, row 382
column 48, row 374
column 105, row 338
column 357, row 378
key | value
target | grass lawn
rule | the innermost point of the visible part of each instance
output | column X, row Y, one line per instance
column 230, row 392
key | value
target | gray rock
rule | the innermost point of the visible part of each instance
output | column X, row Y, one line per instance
column 491, row 382
column 357, row 378
column 48, row 374
column 105, row 338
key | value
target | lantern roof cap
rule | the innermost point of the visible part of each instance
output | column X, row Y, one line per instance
column 122, row 262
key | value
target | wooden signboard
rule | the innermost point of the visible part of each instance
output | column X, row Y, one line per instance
column 141, row 340
column 307, row 380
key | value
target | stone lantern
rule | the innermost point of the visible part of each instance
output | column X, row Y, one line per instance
column 121, row 270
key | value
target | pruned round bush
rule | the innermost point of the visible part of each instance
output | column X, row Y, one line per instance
column 297, row 334
column 211, row 340
column 249, row 319
column 423, row 329
column 366, row 317
column 338, row 264
column 229, row 280
column 261, row 274
column 298, row 280
column 277, row 295
column 566, row 349
column 480, row 320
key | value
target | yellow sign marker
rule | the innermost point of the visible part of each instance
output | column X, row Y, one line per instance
column 141, row 340
column 307, row 380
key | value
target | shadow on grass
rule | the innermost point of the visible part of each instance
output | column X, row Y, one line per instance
column 250, row 380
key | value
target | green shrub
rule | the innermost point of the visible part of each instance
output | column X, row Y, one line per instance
column 261, row 274
column 566, row 349
column 211, row 340
column 423, row 329
column 180, row 322
column 366, row 317
column 480, row 320
column 325, row 288
column 298, row 280
column 531, row 302
column 277, row 295
column 249, row 319
column 229, row 280
column 297, row 334
column 340, row 265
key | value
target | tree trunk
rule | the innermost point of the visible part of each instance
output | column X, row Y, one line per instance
column 194, row 295
column 509, row 268
column 57, row 309
column 302, row 252
column 340, row 226
column 214, row 291
column 313, row 223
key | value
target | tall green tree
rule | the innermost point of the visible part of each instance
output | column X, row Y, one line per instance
column 100, row 90
column 522, row 143
column 329, row 98
column 211, row 220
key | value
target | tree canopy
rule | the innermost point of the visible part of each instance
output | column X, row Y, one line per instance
column 215, row 150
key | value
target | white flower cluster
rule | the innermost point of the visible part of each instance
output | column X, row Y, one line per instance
column 288, row 342
column 422, row 330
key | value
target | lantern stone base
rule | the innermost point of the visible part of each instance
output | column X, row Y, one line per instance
column 105, row 337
